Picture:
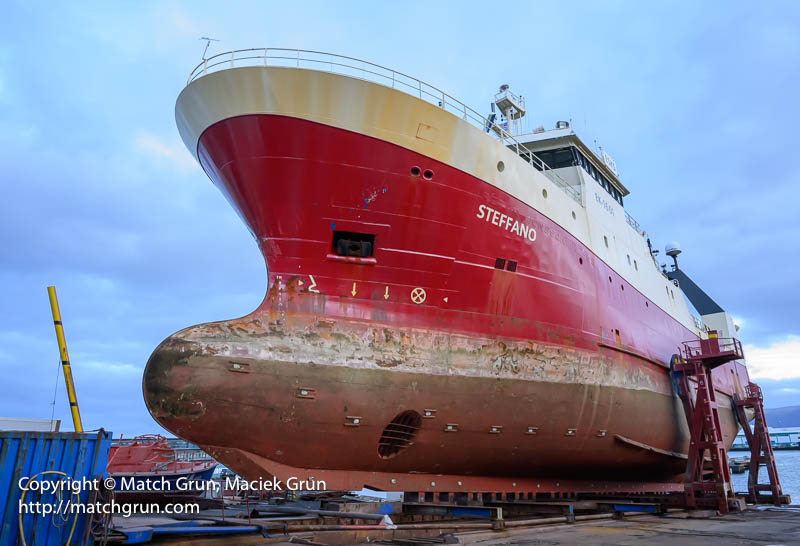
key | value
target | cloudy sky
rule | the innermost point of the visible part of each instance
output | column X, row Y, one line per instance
column 696, row 101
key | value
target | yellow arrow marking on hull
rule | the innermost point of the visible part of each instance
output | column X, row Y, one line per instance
column 386, row 294
column 354, row 289
column 313, row 287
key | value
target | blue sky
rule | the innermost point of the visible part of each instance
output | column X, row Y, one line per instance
column 696, row 101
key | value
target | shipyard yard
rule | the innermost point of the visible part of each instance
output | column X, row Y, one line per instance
column 674, row 527
column 751, row 527
column 778, row 526
column 399, row 273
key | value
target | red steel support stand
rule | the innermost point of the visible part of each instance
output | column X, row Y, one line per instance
column 760, row 447
column 702, row 414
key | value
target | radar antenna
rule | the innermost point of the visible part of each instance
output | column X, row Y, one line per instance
column 673, row 249
column 208, row 43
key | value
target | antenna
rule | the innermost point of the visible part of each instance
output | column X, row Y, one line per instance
column 673, row 249
column 208, row 43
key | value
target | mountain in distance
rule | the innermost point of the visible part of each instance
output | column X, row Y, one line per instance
column 786, row 417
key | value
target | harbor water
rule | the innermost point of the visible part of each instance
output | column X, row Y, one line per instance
column 788, row 463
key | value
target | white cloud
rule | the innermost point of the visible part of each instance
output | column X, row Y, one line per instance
column 110, row 367
column 176, row 154
column 781, row 360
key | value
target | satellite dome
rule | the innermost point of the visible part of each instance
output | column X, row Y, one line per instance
column 672, row 249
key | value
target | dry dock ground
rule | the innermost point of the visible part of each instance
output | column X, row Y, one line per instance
column 762, row 527
column 778, row 526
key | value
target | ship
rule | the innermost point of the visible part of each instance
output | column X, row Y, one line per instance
column 151, row 467
column 454, row 303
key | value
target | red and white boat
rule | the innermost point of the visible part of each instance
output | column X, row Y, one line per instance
column 452, row 304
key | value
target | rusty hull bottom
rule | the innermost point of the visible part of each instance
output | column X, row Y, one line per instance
column 253, row 465
column 270, row 399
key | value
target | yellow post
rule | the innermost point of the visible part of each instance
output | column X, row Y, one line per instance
column 62, row 348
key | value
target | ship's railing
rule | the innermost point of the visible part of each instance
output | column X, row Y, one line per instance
column 633, row 223
column 365, row 70
column 712, row 347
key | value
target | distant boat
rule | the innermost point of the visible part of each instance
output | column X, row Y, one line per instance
column 147, row 467
column 739, row 464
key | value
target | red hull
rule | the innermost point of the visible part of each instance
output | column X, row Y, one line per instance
column 562, row 345
column 292, row 180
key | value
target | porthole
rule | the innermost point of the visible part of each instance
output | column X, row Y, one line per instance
column 500, row 166
column 622, row 287
column 544, row 193
column 605, row 240
column 580, row 261
column 415, row 171
column 635, row 265
column 573, row 215
column 646, row 304
column 609, row 279
column 428, row 174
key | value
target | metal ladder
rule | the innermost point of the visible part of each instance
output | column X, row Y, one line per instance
column 760, row 448
column 707, row 481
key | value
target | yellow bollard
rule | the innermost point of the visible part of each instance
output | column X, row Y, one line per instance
column 62, row 348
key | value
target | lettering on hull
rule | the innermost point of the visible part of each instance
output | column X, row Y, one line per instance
column 506, row 222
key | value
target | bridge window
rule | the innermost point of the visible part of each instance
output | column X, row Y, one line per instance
column 595, row 173
column 558, row 158
column 570, row 156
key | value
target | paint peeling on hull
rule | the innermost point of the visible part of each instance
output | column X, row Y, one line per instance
column 237, row 385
